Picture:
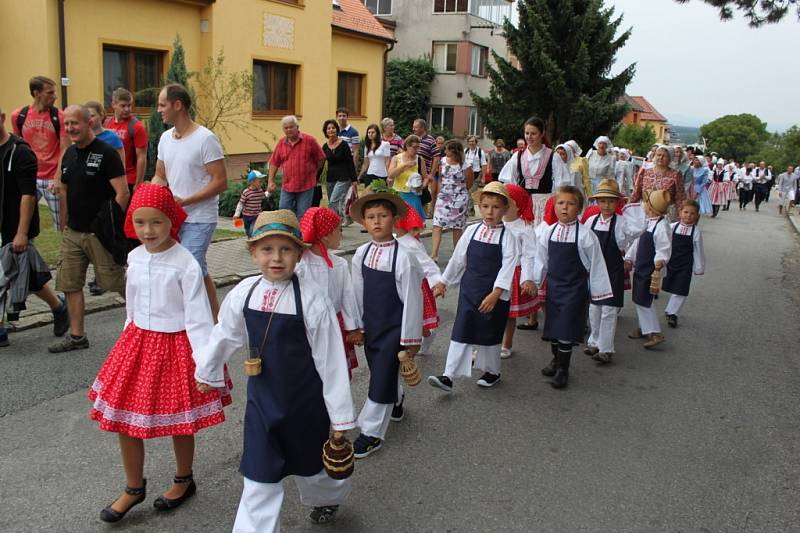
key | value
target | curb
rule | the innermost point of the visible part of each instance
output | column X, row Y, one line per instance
column 795, row 223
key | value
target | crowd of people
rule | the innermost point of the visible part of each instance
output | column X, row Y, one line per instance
column 557, row 233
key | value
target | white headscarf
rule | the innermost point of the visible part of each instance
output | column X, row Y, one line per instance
column 576, row 149
column 561, row 172
column 606, row 140
column 624, row 154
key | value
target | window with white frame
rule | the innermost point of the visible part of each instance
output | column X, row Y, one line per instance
column 480, row 54
column 445, row 56
column 475, row 123
column 379, row 7
column 450, row 6
column 441, row 118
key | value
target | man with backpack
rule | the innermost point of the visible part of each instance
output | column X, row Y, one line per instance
column 41, row 125
column 132, row 133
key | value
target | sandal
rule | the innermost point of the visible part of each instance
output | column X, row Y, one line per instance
column 165, row 504
column 111, row 515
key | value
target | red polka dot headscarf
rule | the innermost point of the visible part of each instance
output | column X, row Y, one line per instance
column 157, row 197
column 411, row 220
column 523, row 201
column 317, row 222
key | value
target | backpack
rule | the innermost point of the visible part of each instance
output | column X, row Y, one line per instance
column 131, row 132
column 23, row 114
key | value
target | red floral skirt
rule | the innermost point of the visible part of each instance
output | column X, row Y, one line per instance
column 430, row 313
column 521, row 304
column 349, row 348
column 146, row 388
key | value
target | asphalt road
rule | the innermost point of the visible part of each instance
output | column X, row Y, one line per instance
column 700, row 435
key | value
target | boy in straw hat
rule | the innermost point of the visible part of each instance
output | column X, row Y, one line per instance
column 290, row 328
column 483, row 264
column 386, row 280
column 615, row 232
column 650, row 252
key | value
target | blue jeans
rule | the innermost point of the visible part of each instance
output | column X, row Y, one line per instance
column 299, row 202
column 248, row 225
column 337, row 192
column 196, row 237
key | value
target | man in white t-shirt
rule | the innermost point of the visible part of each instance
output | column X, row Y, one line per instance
column 192, row 164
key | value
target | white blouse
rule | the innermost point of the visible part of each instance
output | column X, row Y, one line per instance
column 417, row 249
column 524, row 234
column 530, row 163
column 322, row 331
column 335, row 281
column 589, row 251
column 408, row 276
column 630, row 225
column 601, row 166
column 377, row 159
column 488, row 234
column 698, row 253
column 662, row 239
column 165, row 292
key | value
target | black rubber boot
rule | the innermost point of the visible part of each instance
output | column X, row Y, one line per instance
column 561, row 376
column 550, row 369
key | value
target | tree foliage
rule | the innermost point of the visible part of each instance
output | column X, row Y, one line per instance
column 739, row 137
column 757, row 12
column 565, row 50
column 637, row 139
column 781, row 149
column 408, row 91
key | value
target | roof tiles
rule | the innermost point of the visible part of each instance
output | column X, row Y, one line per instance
column 354, row 16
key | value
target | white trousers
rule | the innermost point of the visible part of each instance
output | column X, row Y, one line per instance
column 459, row 359
column 375, row 417
column 260, row 506
column 675, row 304
column 603, row 323
column 648, row 319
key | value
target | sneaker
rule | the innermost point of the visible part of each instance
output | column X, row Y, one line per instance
column 365, row 445
column 60, row 319
column 441, row 382
column 69, row 343
column 505, row 353
column 398, row 412
column 488, row 380
column 636, row 334
column 653, row 340
column 323, row 515
column 672, row 321
column 591, row 351
column 602, row 357
column 4, row 338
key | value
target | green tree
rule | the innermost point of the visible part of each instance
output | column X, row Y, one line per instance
column 408, row 91
column 781, row 149
column 638, row 139
column 757, row 12
column 735, row 136
column 565, row 50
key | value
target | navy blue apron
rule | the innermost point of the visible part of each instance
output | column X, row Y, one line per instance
column 484, row 261
column 383, row 324
column 679, row 268
column 614, row 263
column 286, row 422
column 567, row 294
column 644, row 267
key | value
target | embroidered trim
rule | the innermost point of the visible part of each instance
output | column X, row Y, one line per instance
column 410, row 342
column 341, row 425
column 603, row 296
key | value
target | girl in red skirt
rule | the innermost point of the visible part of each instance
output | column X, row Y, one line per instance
column 322, row 229
column 519, row 220
column 146, row 386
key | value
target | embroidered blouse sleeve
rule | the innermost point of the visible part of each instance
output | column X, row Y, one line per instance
column 458, row 261
column 592, row 258
column 130, row 293
column 197, row 311
column 358, row 281
column 506, row 274
column 528, row 254
column 541, row 255
column 699, row 256
column 350, row 313
column 408, row 285
column 662, row 238
column 431, row 269
column 509, row 172
column 630, row 225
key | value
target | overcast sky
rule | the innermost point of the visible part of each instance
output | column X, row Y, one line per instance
column 693, row 67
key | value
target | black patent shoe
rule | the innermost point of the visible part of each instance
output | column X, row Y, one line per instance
column 110, row 515
column 550, row 370
column 165, row 504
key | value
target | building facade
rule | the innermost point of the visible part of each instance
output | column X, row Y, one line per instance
column 641, row 112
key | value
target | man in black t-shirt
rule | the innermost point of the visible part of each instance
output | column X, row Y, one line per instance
column 92, row 173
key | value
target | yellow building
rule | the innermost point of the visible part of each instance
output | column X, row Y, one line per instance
column 641, row 112
column 307, row 56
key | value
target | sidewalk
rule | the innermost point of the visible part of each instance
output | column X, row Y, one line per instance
column 228, row 262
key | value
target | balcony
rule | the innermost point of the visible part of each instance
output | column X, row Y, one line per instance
column 495, row 11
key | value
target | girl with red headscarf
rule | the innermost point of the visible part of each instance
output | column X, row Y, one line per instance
column 322, row 229
column 146, row 386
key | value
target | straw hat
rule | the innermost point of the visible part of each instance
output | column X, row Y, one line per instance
column 494, row 187
column 659, row 201
column 357, row 209
column 607, row 188
column 281, row 222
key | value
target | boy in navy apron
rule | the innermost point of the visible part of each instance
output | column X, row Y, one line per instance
column 386, row 281
column 648, row 253
column 688, row 257
column 567, row 255
column 615, row 232
column 302, row 390
column 483, row 264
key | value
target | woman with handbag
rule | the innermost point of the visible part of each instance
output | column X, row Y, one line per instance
column 408, row 176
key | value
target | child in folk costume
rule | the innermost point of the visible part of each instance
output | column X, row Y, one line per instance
column 688, row 257
column 291, row 330
column 649, row 253
column 387, row 281
column 519, row 221
column 321, row 228
column 145, row 388
column 483, row 264
column 570, row 258
column 615, row 232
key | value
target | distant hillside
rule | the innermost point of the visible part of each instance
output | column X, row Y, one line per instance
column 684, row 134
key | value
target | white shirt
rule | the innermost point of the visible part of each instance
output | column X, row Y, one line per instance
column 475, row 158
column 185, row 162
column 530, row 164
column 630, row 225
column 408, row 282
column 377, row 160
column 589, row 251
column 698, row 253
column 322, row 331
column 524, row 234
column 491, row 235
column 336, row 283
column 662, row 240
column 417, row 249
column 165, row 292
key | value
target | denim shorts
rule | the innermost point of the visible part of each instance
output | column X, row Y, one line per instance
column 196, row 237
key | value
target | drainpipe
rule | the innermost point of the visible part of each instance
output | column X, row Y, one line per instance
column 385, row 60
column 62, row 51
